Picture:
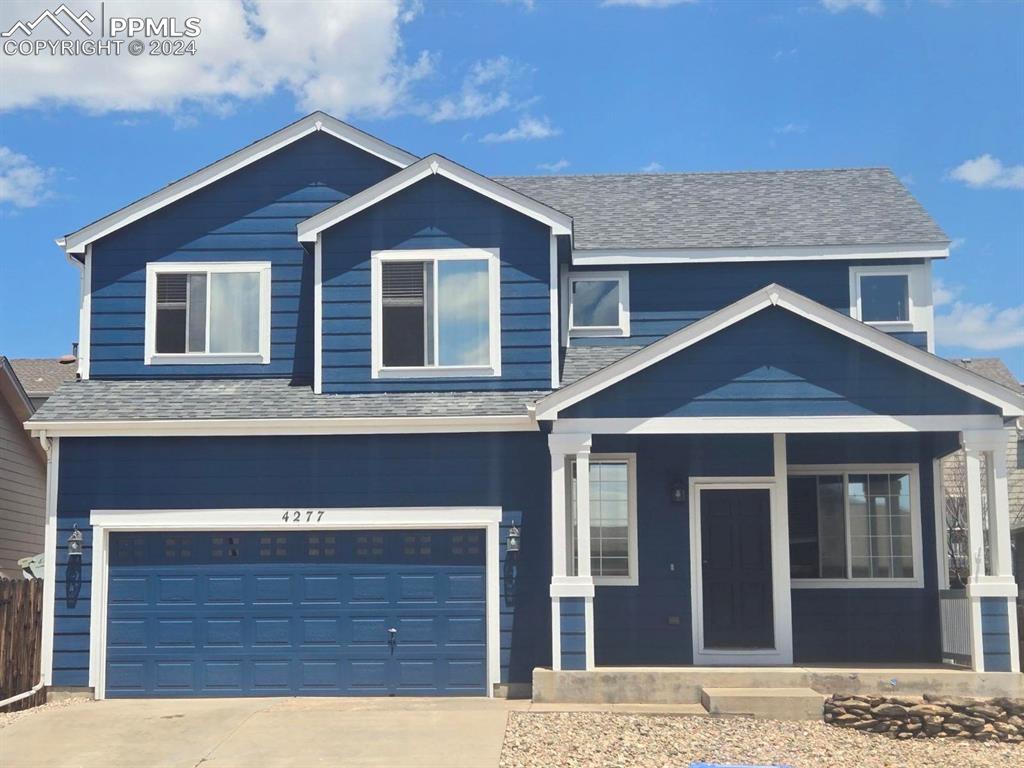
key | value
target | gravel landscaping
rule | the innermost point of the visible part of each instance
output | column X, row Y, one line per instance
column 608, row 740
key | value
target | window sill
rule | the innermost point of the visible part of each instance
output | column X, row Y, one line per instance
column 856, row 584
column 891, row 325
column 614, row 332
column 616, row 581
column 446, row 372
column 204, row 359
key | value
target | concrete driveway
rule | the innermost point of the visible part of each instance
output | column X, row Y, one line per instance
column 224, row 733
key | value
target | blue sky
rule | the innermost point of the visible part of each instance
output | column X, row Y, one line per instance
column 935, row 90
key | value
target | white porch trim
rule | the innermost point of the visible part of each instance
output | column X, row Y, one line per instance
column 587, row 257
column 745, row 425
column 50, row 556
column 381, row 518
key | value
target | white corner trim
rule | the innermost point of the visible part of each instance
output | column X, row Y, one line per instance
column 318, row 317
column 50, row 560
column 493, row 258
column 620, row 330
column 1012, row 404
column 556, row 634
column 782, row 652
column 553, row 314
column 435, row 164
column 389, row 518
column 263, row 427
column 261, row 357
column 318, row 121
column 85, row 314
column 941, row 532
column 602, row 257
column 913, row 470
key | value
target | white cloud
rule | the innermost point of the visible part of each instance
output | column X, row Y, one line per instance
column 987, row 171
column 347, row 58
column 555, row 167
column 653, row 167
column 484, row 92
column 647, row 3
column 23, row 184
column 783, row 53
column 943, row 294
column 527, row 129
column 874, row 7
column 957, row 242
column 791, row 128
column 528, row 5
column 979, row 326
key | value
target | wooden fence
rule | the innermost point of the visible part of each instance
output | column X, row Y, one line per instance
column 21, row 639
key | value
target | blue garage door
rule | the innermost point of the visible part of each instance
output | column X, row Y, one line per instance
column 296, row 613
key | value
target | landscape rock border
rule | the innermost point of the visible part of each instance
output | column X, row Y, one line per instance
column 929, row 716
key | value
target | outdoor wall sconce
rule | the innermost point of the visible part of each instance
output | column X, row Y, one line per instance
column 73, row 571
column 512, row 544
column 677, row 492
column 511, row 570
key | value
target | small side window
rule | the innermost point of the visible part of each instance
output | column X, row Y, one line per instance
column 596, row 303
column 885, row 298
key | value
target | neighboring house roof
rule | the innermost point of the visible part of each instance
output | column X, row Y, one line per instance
column 850, row 206
column 1011, row 402
column 429, row 166
column 75, row 242
column 991, row 368
column 41, row 376
column 12, row 390
column 266, row 400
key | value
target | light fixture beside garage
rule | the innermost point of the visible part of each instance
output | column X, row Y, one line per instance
column 512, row 543
column 75, row 543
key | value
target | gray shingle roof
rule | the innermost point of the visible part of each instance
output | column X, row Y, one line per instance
column 991, row 368
column 578, row 362
column 96, row 400
column 851, row 206
column 41, row 376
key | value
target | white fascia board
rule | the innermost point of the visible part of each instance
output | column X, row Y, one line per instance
column 264, row 427
column 76, row 242
column 560, row 223
column 1011, row 403
column 600, row 257
column 748, row 425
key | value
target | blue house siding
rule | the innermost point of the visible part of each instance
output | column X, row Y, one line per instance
column 250, row 215
column 506, row 470
column 871, row 625
column 649, row 624
column 666, row 297
column 775, row 363
column 572, row 632
column 437, row 213
column 995, row 633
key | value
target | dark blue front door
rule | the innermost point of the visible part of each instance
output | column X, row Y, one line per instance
column 736, row 572
column 284, row 613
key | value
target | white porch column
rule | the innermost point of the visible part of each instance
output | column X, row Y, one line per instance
column 572, row 588
column 991, row 592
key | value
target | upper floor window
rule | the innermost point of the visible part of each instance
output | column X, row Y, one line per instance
column 597, row 303
column 886, row 295
column 208, row 313
column 854, row 526
column 436, row 313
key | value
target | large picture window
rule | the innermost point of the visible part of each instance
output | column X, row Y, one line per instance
column 613, row 545
column 208, row 313
column 436, row 313
column 854, row 527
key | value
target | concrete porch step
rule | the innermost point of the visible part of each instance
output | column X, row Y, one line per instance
column 769, row 703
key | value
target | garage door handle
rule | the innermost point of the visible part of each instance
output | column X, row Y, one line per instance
column 392, row 638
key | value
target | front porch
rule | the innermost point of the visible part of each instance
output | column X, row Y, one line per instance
column 772, row 550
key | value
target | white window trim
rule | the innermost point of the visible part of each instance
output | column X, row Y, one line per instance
column 621, row 330
column 917, row 582
column 262, row 357
column 493, row 369
column 335, row 519
column 919, row 310
column 632, row 579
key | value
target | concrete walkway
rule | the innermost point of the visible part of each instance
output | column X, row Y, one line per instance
column 270, row 733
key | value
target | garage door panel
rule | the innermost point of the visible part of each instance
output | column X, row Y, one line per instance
column 206, row 614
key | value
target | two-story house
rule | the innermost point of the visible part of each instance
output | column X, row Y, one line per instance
column 352, row 421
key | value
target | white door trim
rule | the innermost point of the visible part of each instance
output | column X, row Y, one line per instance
column 370, row 518
column 782, row 653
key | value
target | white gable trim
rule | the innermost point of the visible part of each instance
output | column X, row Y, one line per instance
column 560, row 223
column 1011, row 403
column 601, row 257
column 76, row 242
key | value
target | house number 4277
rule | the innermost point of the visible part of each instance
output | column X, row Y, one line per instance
column 303, row 516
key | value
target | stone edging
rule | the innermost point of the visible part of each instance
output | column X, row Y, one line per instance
column 929, row 716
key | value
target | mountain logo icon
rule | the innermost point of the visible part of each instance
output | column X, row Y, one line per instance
column 55, row 16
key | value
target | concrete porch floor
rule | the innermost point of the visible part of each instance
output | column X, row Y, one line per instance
column 682, row 685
